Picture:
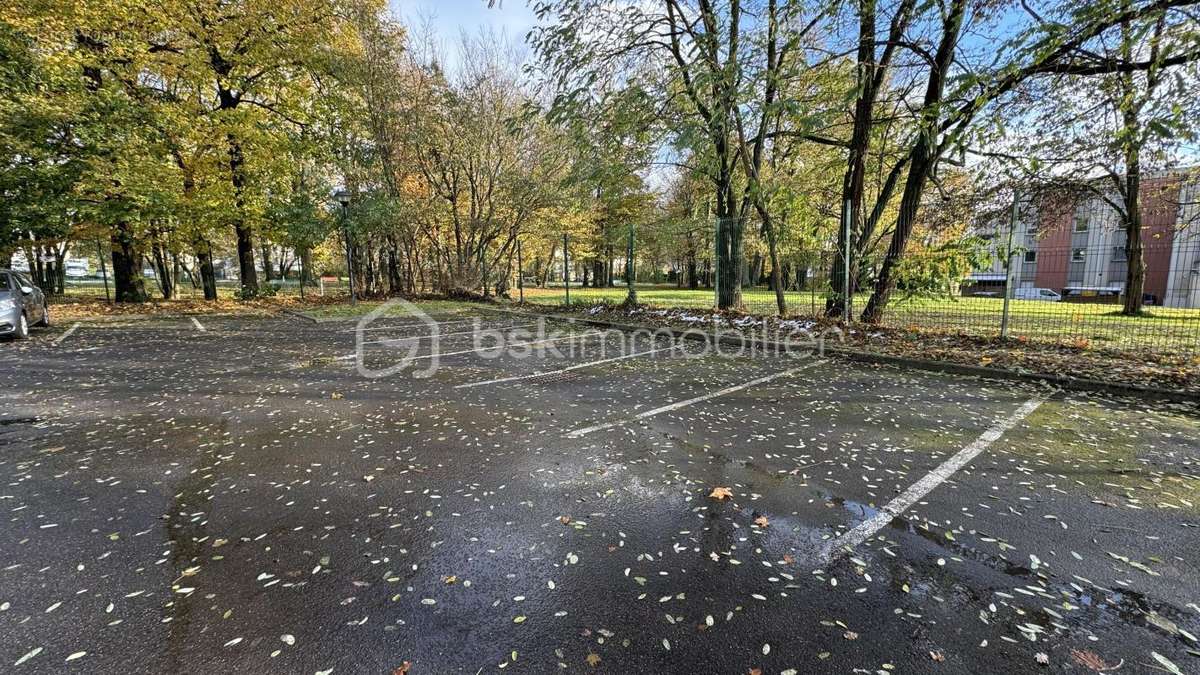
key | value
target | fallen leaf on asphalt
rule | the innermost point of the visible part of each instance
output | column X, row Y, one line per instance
column 593, row 659
column 28, row 655
column 937, row 656
column 721, row 493
column 1042, row 658
column 402, row 669
column 1167, row 663
column 1156, row 619
column 761, row 521
column 1089, row 660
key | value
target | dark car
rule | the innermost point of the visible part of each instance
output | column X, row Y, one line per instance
column 21, row 305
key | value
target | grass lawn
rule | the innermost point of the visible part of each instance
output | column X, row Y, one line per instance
column 1079, row 324
column 1084, row 325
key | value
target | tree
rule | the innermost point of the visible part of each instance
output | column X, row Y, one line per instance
column 253, row 70
column 1100, row 134
column 699, row 60
column 945, row 120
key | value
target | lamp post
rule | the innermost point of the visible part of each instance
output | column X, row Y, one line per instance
column 343, row 198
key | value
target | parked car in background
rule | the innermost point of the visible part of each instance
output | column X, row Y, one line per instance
column 77, row 268
column 1044, row 294
column 21, row 305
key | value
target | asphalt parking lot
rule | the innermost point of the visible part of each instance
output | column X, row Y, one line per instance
column 236, row 495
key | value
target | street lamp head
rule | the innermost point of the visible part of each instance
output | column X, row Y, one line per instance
column 342, row 197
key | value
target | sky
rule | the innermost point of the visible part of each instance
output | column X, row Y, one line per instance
column 449, row 18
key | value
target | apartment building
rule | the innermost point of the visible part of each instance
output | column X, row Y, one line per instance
column 1077, row 247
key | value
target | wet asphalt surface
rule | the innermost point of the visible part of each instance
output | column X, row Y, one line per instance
column 242, row 499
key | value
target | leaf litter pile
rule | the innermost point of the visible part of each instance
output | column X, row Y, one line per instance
column 207, row 507
column 1163, row 368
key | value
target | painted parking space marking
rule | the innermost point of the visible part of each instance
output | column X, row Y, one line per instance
column 868, row 528
column 514, row 378
column 691, row 401
column 66, row 334
column 199, row 326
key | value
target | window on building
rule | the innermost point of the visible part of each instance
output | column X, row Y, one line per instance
column 1078, row 254
column 1081, row 224
column 1030, row 256
column 1119, row 254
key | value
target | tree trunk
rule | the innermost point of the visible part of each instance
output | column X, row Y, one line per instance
column 730, row 260
column 127, row 273
column 60, row 269
column 549, row 265
column 905, row 219
column 871, row 75
column 208, row 276
column 266, row 261
column 245, row 242
column 305, row 265
column 1135, row 274
column 176, row 271
column 162, row 273
column 853, row 181
column 395, row 278
column 922, row 158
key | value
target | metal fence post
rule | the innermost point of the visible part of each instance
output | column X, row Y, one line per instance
column 1008, row 270
column 812, row 283
column 630, row 272
column 846, row 294
column 717, row 262
column 520, row 273
column 349, row 254
column 566, row 270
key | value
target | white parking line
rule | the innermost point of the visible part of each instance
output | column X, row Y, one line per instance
column 682, row 404
column 199, row 326
column 66, row 334
column 568, row 368
column 868, row 528
column 389, row 341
